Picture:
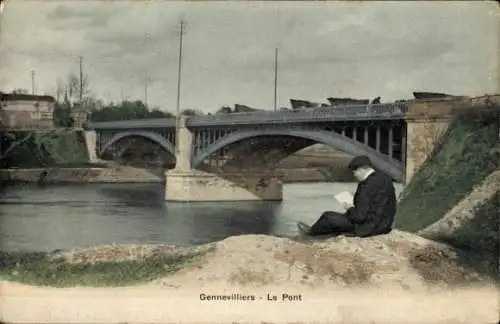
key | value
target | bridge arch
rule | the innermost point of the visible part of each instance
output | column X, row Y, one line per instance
column 334, row 140
column 155, row 137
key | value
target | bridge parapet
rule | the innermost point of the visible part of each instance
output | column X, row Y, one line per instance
column 331, row 113
column 134, row 124
column 396, row 110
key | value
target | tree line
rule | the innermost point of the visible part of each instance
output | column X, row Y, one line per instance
column 72, row 94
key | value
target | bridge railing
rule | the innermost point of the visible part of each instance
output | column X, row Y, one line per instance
column 134, row 124
column 343, row 112
column 325, row 113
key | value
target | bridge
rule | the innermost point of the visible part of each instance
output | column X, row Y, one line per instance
column 234, row 156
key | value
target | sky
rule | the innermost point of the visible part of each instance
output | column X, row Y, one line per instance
column 326, row 49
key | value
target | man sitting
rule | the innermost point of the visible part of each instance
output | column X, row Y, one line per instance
column 374, row 206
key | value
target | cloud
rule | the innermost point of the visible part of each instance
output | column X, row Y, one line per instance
column 81, row 14
column 325, row 49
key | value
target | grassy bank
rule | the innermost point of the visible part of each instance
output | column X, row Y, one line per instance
column 469, row 152
column 58, row 148
column 38, row 268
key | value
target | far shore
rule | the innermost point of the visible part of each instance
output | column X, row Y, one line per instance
column 126, row 174
column 312, row 165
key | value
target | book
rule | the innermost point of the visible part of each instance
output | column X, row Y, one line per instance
column 345, row 197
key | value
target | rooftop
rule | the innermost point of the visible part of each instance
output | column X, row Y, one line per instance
column 24, row 97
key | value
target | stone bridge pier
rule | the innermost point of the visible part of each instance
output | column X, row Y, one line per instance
column 185, row 183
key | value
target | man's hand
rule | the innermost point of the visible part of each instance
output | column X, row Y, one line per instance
column 347, row 205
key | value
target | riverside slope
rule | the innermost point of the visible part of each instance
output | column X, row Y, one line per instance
column 372, row 280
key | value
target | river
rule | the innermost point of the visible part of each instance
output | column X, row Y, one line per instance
column 67, row 216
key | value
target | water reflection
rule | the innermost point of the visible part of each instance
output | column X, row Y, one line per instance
column 67, row 216
column 208, row 221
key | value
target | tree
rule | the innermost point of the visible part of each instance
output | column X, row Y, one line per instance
column 224, row 110
column 73, row 87
column 126, row 110
column 91, row 103
column 62, row 114
column 191, row 112
column 68, row 92
column 59, row 89
column 20, row 91
column 156, row 113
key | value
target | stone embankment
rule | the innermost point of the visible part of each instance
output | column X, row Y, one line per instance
column 129, row 174
column 117, row 174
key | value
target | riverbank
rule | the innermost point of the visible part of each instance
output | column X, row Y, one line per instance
column 110, row 172
column 400, row 271
column 126, row 174
column 80, row 175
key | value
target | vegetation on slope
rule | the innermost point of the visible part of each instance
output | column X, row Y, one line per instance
column 468, row 153
column 39, row 268
column 56, row 148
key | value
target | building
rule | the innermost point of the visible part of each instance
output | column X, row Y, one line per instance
column 25, row 111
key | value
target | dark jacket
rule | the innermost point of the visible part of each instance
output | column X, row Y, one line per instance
column 374, row 206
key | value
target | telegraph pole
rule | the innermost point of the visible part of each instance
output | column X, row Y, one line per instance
column 275, row 78
column 81, row 81
column 178, row 109
column 180, row 67
column 147, row 37
column 146, row 92
column 33, row 82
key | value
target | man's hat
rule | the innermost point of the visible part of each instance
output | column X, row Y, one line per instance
column 358, row 162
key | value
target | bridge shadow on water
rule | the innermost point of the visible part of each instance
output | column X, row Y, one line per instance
column 211, row 221
column 191, row 222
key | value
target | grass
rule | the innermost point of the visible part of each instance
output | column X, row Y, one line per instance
column 38, row 268
column 468, row 153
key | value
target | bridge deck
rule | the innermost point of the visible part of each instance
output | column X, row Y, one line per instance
column 332, row 113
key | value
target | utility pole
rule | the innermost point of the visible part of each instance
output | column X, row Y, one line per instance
column 33, row 82
column 178, row 109
column 275, row 78
column 81, row 81
column 147, row 37
column 180, row 67
column 146, row 92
